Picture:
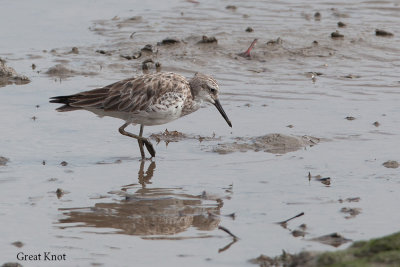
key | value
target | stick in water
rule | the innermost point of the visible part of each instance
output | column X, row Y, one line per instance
column 283, row 223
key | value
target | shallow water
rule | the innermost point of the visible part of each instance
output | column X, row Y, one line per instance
column 116, row 211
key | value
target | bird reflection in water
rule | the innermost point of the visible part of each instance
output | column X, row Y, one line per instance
column 152, row 213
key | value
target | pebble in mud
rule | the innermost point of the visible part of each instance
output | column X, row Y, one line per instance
column 104, row 52
column 75, row 50
column 350, row 118
column 341, row 24
column 383, row 33
column 249, row 29
column 391, row 164
column 376, row 124
column 208, row 40
column 17, row 244
column 169, row 41
column 317, row 16
column 336, row 35
column 64, row 163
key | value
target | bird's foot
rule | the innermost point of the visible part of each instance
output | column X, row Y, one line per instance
column 149, row 147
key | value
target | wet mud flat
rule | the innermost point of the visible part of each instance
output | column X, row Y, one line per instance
column 312, row 92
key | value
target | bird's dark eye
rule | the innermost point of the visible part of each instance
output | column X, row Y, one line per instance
column 213, row 90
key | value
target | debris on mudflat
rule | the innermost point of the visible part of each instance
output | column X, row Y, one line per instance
column 135, row 55
column 231, row 7
column 352, row 76
column 247, row 52
column 168, row 136
column 383, row 33
column 350, row 118
column 284, row 223
column 278, row 41
column 169, row 41
column 207, row 40
column 3, row 161
column 341, row 24
column 272, row 143
column 376, row 124
column 350, row 199
column 336, row 35
column 333, row 239
column 352, row 212
column 63, row 71
column 175, row 136
column 300, row 231
column 325, row 181
column 64, row 163
column 104, row 52
column 75, row 50
column 8, row 75
column 60, row 71
column 147, row 48
column 17, row 244
column 11, row 264
column 148, row 63
column 391, row 164
column 249, row 29
column 317, row 16
column 59, row 193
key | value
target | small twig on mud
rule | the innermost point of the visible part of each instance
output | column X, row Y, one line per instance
column 228, row 232
column 283, row 223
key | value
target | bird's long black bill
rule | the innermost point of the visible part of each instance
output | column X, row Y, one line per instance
column 221, row 110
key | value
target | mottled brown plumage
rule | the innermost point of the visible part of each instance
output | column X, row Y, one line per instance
column 149, row 99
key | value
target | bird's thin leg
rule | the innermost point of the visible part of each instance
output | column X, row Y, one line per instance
column 147, row 143
column 141, row 142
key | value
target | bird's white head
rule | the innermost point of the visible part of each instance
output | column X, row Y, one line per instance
column 205, row 88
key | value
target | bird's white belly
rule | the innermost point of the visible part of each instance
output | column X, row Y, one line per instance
column 157, row 115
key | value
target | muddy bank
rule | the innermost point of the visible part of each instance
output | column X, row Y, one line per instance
column 8, row 75
column 383, row 251
column 271, row 143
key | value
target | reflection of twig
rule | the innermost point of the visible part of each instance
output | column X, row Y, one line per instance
column 227, row 246
column 228, row 232
column 283, row 223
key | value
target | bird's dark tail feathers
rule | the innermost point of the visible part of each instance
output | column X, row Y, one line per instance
column 63, row 100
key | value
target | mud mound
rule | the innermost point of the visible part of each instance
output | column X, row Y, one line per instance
column 271, row 143
column 64, row 71
column 8, row 75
